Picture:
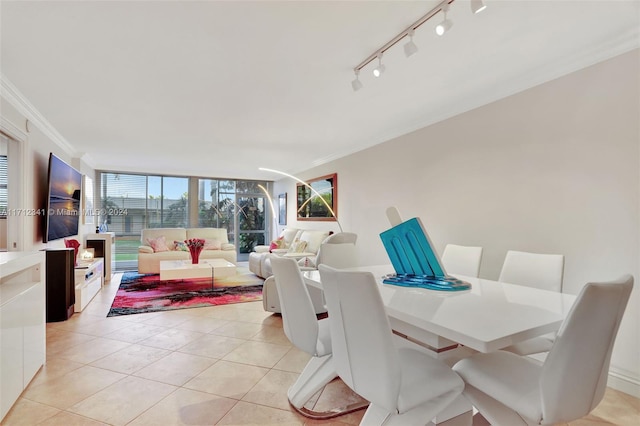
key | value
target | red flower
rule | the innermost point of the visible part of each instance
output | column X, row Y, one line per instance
column 194, row 242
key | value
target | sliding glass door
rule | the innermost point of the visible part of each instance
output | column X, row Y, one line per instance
column 132, row 202
column 238, row 206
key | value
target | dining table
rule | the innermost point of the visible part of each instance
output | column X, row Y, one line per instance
column 451, row 325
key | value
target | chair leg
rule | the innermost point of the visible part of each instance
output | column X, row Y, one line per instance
column 318, row 372
column 421, row 415
column 493, row 410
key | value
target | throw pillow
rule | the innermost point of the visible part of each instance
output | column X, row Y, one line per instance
column 277, row 244
column 297, row 246
column 180, row 246
column 212, row 244
column 158, row 244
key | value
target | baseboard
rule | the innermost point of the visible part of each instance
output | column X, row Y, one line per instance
column 624, row 382
column 619, row 379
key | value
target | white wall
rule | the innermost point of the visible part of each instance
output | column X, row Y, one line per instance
column 554, row 169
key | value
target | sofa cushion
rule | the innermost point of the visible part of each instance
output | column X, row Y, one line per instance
column 170, row 234
column 212, row 244
column 298, row 246
column 180, row 246
column 219, row 234
column 313, row 239
column 288, row 235
column 277, row 243
column 158, row 244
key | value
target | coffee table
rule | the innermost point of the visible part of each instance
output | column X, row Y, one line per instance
column 184, row 269
column 221, row 267
column 181, row 269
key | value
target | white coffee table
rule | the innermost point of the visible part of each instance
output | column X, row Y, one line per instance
column 184, row 269
column 221, row 267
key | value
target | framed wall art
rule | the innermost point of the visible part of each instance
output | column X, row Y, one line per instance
column 320, row 202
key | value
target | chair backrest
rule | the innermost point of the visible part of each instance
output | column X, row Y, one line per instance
column 462, row 260
column 338, row 251
column 363, row 350
column 574, row 374
column 298, row 315
column 542, row 271
column 341, row 238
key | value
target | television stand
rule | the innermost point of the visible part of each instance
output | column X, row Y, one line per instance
column 89, row 278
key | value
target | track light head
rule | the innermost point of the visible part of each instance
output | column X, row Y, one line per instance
column 477, row 6
column 379, row 70
column 356, row 84
column 410, row 47
column 443, row 27
column 446, row 24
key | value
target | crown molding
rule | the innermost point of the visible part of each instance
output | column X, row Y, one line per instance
column 11, row 130
column 87, row 159
column 11, row 93
column 625, row 42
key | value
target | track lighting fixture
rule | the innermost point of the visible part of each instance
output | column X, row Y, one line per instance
column 446, row 24
column 410, row 47
column 477, row 6
column 356, row 84
column 377, row 71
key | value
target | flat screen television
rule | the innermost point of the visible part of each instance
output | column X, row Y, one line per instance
column 63, row 200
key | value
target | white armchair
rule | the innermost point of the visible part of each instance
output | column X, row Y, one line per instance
column 310, row 239
column 337, row 250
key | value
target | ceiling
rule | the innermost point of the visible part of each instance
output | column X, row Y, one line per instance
column 219, row 89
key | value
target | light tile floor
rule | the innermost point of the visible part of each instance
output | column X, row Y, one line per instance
column 227, row 365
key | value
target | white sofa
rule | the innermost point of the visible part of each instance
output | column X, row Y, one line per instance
column 260, row 264
column 149, row 261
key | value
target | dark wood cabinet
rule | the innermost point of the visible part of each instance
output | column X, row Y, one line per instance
column 60, row 279
column 99, row 250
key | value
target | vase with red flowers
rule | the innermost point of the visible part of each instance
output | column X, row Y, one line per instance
column 195, row 246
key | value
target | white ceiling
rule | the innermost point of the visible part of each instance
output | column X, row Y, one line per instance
column 219, row 89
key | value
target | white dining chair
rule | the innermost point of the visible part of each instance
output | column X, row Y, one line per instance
column 307, row 333
column 508, row 389
column 537, row 270
column 462, row 260
column 404, row 386
column 339, row 250
column 544, row 271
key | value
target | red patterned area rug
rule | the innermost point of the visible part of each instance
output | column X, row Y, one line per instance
column 146, row 293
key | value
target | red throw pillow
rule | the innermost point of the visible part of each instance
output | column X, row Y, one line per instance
column 276, row 244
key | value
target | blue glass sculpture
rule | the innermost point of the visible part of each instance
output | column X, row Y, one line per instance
column 415, row 261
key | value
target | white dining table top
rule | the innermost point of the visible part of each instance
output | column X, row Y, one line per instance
column 490, row 316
